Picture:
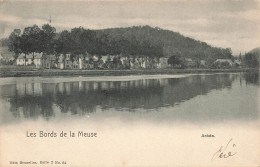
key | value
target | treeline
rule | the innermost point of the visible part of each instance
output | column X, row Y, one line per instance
column 132, row 41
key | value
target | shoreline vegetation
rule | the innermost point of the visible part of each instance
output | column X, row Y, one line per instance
column 7, row 72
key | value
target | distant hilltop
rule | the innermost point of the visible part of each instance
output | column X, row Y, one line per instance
column 252, row 58
column 255, row 51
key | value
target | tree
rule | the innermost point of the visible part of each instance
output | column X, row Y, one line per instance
column 76, row 45
column 63, row 42
column 31, row 35
column 228, row 53
column 14, row 42
column 87, row 41
column 35, row 40
column 175, row 60
column 47, row 39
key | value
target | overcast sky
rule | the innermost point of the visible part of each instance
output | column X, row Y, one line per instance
column 229, row 24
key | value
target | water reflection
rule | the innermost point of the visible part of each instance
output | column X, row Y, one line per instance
column 252, row 78
column 43, row 99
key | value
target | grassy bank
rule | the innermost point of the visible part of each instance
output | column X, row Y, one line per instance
column 13, row 72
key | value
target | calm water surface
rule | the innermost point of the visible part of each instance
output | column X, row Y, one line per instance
column 191, row 98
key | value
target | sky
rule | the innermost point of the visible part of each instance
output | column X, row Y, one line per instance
column 231, row 24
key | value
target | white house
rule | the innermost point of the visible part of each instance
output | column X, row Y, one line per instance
column 25, row 59
column 61, row 61
column 75, row 64
column 68, row 62
column 190, row 63
column 38, row 61
column 237, row 63
column 223, row 63
column 21, row 60
column 163, row 63
column 81, row 62
column 145, row 63
column 29, row 59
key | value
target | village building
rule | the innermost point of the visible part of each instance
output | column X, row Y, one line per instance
column 49, row 61
column 20, row 60
column 53, row 61
column 61, row 61
column 145, row 63
column 38, row 60
column 89, row 63
column 82, row 62
column 100, row 64
column 99, row 61
column 138, row 63
column 132, row 65
column 29, row 59
column 86, row 61
column 125, row 62
column 237, row 63
column 150, row 62
column 109, row 61
column 24, row 59
column 75, row 64
column 223, row 63
column 190, row 63
column 94, row 61
column 154, row 62
column 105, row 58
column 203, row 64
column 163, row 63
column 68, row 62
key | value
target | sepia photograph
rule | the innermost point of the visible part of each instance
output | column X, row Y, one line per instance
column 117, row 83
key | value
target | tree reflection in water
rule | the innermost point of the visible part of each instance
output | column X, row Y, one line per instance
column 41, row 99
column 252, row 78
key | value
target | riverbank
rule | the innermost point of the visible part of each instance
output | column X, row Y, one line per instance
column 6, row 72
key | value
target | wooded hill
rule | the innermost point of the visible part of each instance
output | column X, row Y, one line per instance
column 252, row 58
column 168, row 43
column 132, row 41
column 255, row 51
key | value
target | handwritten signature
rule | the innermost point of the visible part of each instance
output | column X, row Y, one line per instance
column 224, row 152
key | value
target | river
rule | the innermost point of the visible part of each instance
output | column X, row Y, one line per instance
column 139, row 120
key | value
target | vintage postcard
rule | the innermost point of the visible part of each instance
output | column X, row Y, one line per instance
column 129, row 83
